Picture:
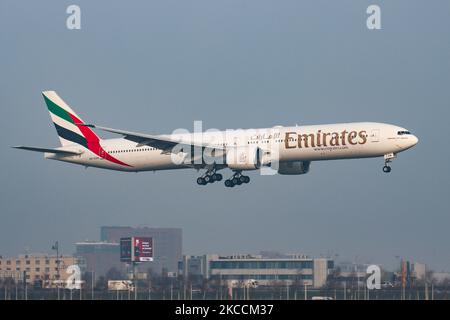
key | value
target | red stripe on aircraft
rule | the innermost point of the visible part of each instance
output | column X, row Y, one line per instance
column 93, row 142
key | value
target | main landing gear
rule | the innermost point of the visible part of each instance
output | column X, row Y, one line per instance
column 237, row 179
column 387, row 159
column 209, row 177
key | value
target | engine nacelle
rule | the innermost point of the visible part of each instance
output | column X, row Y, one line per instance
column 294, row 167
column 243, row 158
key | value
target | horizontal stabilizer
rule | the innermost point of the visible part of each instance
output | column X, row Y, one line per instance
column 49, row 150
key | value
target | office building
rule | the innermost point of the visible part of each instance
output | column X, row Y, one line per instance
column 288, row 270
column 167, row 245
column 39, row 269
column 99, row 257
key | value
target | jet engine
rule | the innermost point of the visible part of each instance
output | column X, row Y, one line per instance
column 243, row 158
column 294, row 167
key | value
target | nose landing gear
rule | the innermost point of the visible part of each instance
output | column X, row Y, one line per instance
column 388, row 158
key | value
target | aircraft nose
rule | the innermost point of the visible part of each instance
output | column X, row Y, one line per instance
column 414, row 140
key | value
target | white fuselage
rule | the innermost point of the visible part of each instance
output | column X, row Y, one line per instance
column 299, row 143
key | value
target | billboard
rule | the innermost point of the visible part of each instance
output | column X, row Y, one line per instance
column 136, row 249
column 142, row 249
column 125, row 249
column 120, row 285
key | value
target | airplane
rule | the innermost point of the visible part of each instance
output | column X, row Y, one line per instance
column 290, row 150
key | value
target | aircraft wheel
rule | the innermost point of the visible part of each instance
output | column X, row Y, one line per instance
column 386, row 169
column 208, row 179
column 246, row 179
column 229, row 183
column 235, row 181
column 201, row 181
column 242, row 179
column 219, row 177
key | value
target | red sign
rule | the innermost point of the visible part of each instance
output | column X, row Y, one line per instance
column 142, row 249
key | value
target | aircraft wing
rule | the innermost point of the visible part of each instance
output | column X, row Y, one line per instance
column 49, row 150
column 165, row 143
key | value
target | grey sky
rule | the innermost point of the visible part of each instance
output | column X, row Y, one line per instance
column 154, row 66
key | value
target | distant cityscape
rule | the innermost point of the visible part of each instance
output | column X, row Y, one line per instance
column 174, row 275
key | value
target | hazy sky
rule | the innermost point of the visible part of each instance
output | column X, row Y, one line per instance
column 155, row 66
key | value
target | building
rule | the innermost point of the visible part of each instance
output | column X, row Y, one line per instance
column 419, row 271
column 99, row 257
column 167, row 245
column 351, row 273
column 38, row 269
column 194, row 266
column 441, row 277
column 265, row 271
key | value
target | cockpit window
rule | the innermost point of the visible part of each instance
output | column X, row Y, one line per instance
column 400, row 133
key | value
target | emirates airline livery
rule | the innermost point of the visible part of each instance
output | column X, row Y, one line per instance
column 290, row 150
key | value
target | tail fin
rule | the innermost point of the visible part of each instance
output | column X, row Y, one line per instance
column 67, row 123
